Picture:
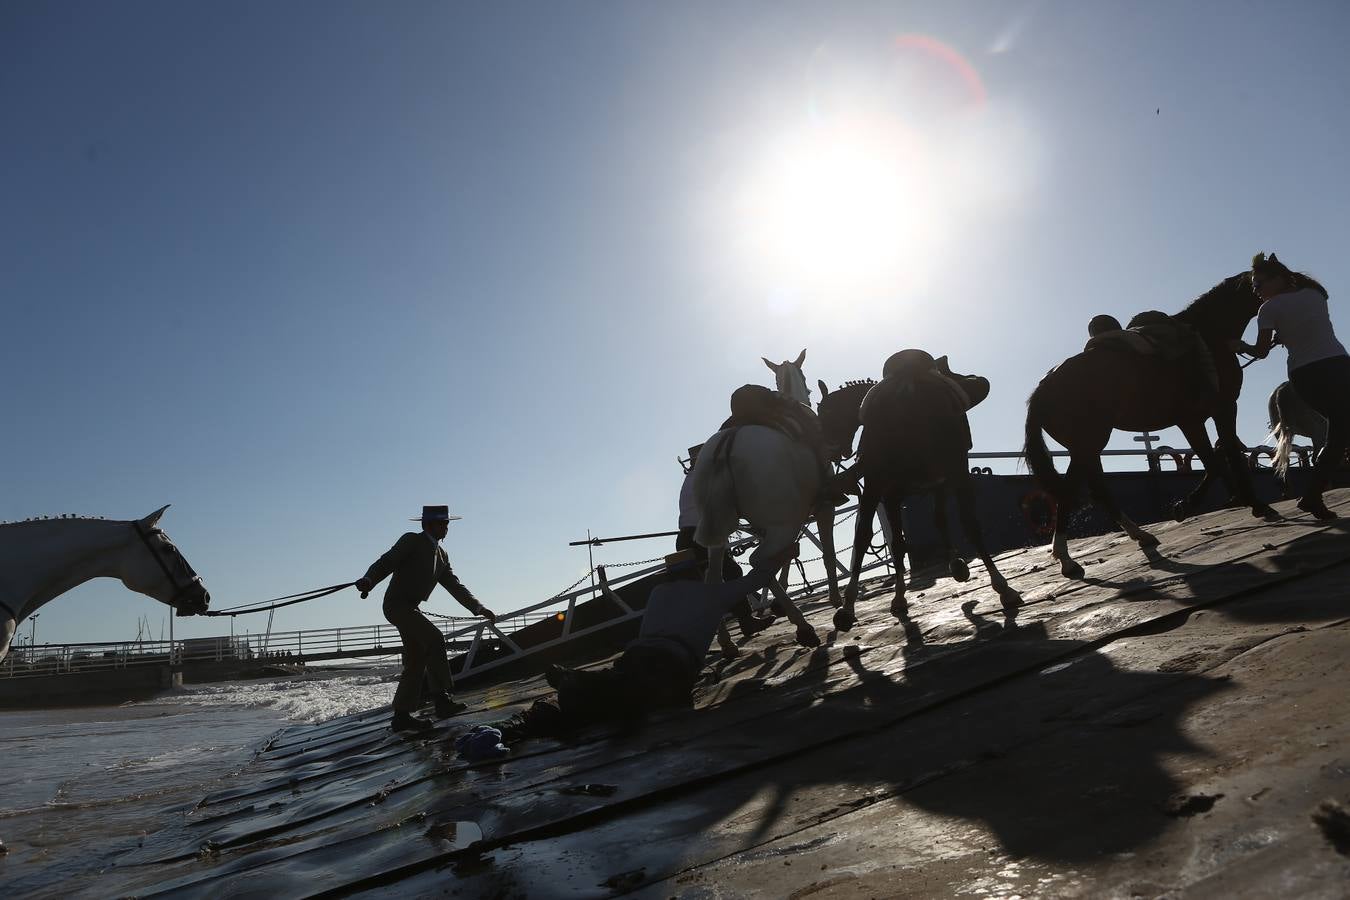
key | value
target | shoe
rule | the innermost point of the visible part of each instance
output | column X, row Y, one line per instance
column 1317, row 508
column 555, row 675
column 447, row 706
column 408, row 722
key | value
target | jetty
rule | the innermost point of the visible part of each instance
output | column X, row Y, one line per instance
column 1175, row 723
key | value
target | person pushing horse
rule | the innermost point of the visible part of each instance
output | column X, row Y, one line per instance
column 418, row 563
column 1294, row 311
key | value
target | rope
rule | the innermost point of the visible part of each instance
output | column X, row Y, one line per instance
column 290, row 599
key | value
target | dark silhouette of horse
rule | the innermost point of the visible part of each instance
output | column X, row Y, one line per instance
column 1080, row 401
column 1291, row 415
column 915, row 438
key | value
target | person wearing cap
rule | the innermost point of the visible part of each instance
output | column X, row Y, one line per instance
column 418, row 562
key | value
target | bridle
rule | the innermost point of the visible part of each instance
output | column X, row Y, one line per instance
column 179, row 589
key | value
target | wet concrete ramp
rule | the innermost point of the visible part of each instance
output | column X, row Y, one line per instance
column 1176, row 723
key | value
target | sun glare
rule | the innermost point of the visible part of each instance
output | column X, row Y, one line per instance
column 837, row 208
column 869, row 195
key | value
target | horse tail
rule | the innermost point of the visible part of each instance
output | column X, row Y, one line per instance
column 1034, row 450
column 1281, row 434
column 715, row 491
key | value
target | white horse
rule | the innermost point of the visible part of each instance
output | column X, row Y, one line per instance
column 43, row 558
column 760, row 474
column 788, row 379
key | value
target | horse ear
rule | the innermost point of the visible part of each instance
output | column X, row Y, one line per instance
column 153, row 519
column 1273, row 258
column 801, row 358
column 824, row 391
column 943, row 366
column 770, row 365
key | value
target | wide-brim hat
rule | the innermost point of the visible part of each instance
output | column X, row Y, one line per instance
column 436, row 514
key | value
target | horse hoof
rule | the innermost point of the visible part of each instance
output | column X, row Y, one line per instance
column 899, row 608
column 1180, row 511
column 1263, row 511
column 1010, row 599
column 959, row 570
column 1070, row 569
column 844, row 620
column 807, row 637
column 1147, row 541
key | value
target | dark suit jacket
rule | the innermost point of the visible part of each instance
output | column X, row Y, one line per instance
column 418, row 565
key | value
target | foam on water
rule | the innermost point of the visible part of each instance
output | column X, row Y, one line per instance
column 312, row 697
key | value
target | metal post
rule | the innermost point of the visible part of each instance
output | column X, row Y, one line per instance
column 590, row 557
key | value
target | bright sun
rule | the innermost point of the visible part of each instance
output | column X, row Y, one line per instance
column 838, row 209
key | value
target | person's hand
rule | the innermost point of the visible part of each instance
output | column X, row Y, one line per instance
column 364, row 585
column 487, row 614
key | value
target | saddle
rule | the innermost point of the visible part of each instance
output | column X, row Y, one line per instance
column 754, row 404
column 1154, row 333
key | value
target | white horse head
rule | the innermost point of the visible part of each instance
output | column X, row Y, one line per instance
column 789, row 380
column 44, row 558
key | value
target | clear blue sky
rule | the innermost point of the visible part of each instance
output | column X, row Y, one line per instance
column 299, row 268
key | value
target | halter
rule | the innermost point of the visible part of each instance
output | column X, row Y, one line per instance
column 179, row 589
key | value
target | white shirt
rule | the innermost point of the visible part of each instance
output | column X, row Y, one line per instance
column 1301, row 321
column 689, row 513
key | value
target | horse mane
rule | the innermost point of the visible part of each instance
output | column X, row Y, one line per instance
column 56, row 518
column 1219, row 310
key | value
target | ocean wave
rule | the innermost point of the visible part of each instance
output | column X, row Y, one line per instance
column 309, row 698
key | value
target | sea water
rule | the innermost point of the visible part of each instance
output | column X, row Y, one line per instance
column 80, row 786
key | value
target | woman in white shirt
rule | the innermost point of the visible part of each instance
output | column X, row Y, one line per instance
column 1294, row 313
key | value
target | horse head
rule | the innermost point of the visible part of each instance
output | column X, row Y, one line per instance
column 789, row 380
column 156, row 568
column 838, row 414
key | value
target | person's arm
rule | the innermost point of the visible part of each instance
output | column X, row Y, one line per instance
column 380, row 569
column 1265, row 339
column 448, row 580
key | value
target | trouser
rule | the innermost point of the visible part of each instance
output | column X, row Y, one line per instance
column 650, row 674
column 731, row 570
column 423, row 651
column 1325, row 385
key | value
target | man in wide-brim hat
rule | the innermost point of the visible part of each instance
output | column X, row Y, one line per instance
column 418, row 563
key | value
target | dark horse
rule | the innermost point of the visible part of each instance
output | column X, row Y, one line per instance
column 915, row 438
column 1080, row 401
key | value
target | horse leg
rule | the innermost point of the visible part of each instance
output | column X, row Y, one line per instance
column 716, row 554
column 965, row 505
column 1238, row 475
column 956, row 566
column 895, row 512
column 844, row 619
column 1102, row 496
column 773, row 540
column 1198, row 437
column 825, row 531
column 1065, row 504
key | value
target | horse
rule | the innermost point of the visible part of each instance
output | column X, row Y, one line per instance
column 915, row 438
column 1080, row 401
column 1291, row 415
column 789, row 380
column 772, row 481
column 44, row 558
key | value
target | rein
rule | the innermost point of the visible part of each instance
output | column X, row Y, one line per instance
column 290, row 600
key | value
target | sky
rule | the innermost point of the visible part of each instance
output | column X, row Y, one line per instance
column 300, row 268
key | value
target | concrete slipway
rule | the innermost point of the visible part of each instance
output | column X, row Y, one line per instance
column 1175, row 725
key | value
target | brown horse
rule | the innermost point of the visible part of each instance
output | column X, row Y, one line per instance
column 915, row 438
column 1080, row 401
